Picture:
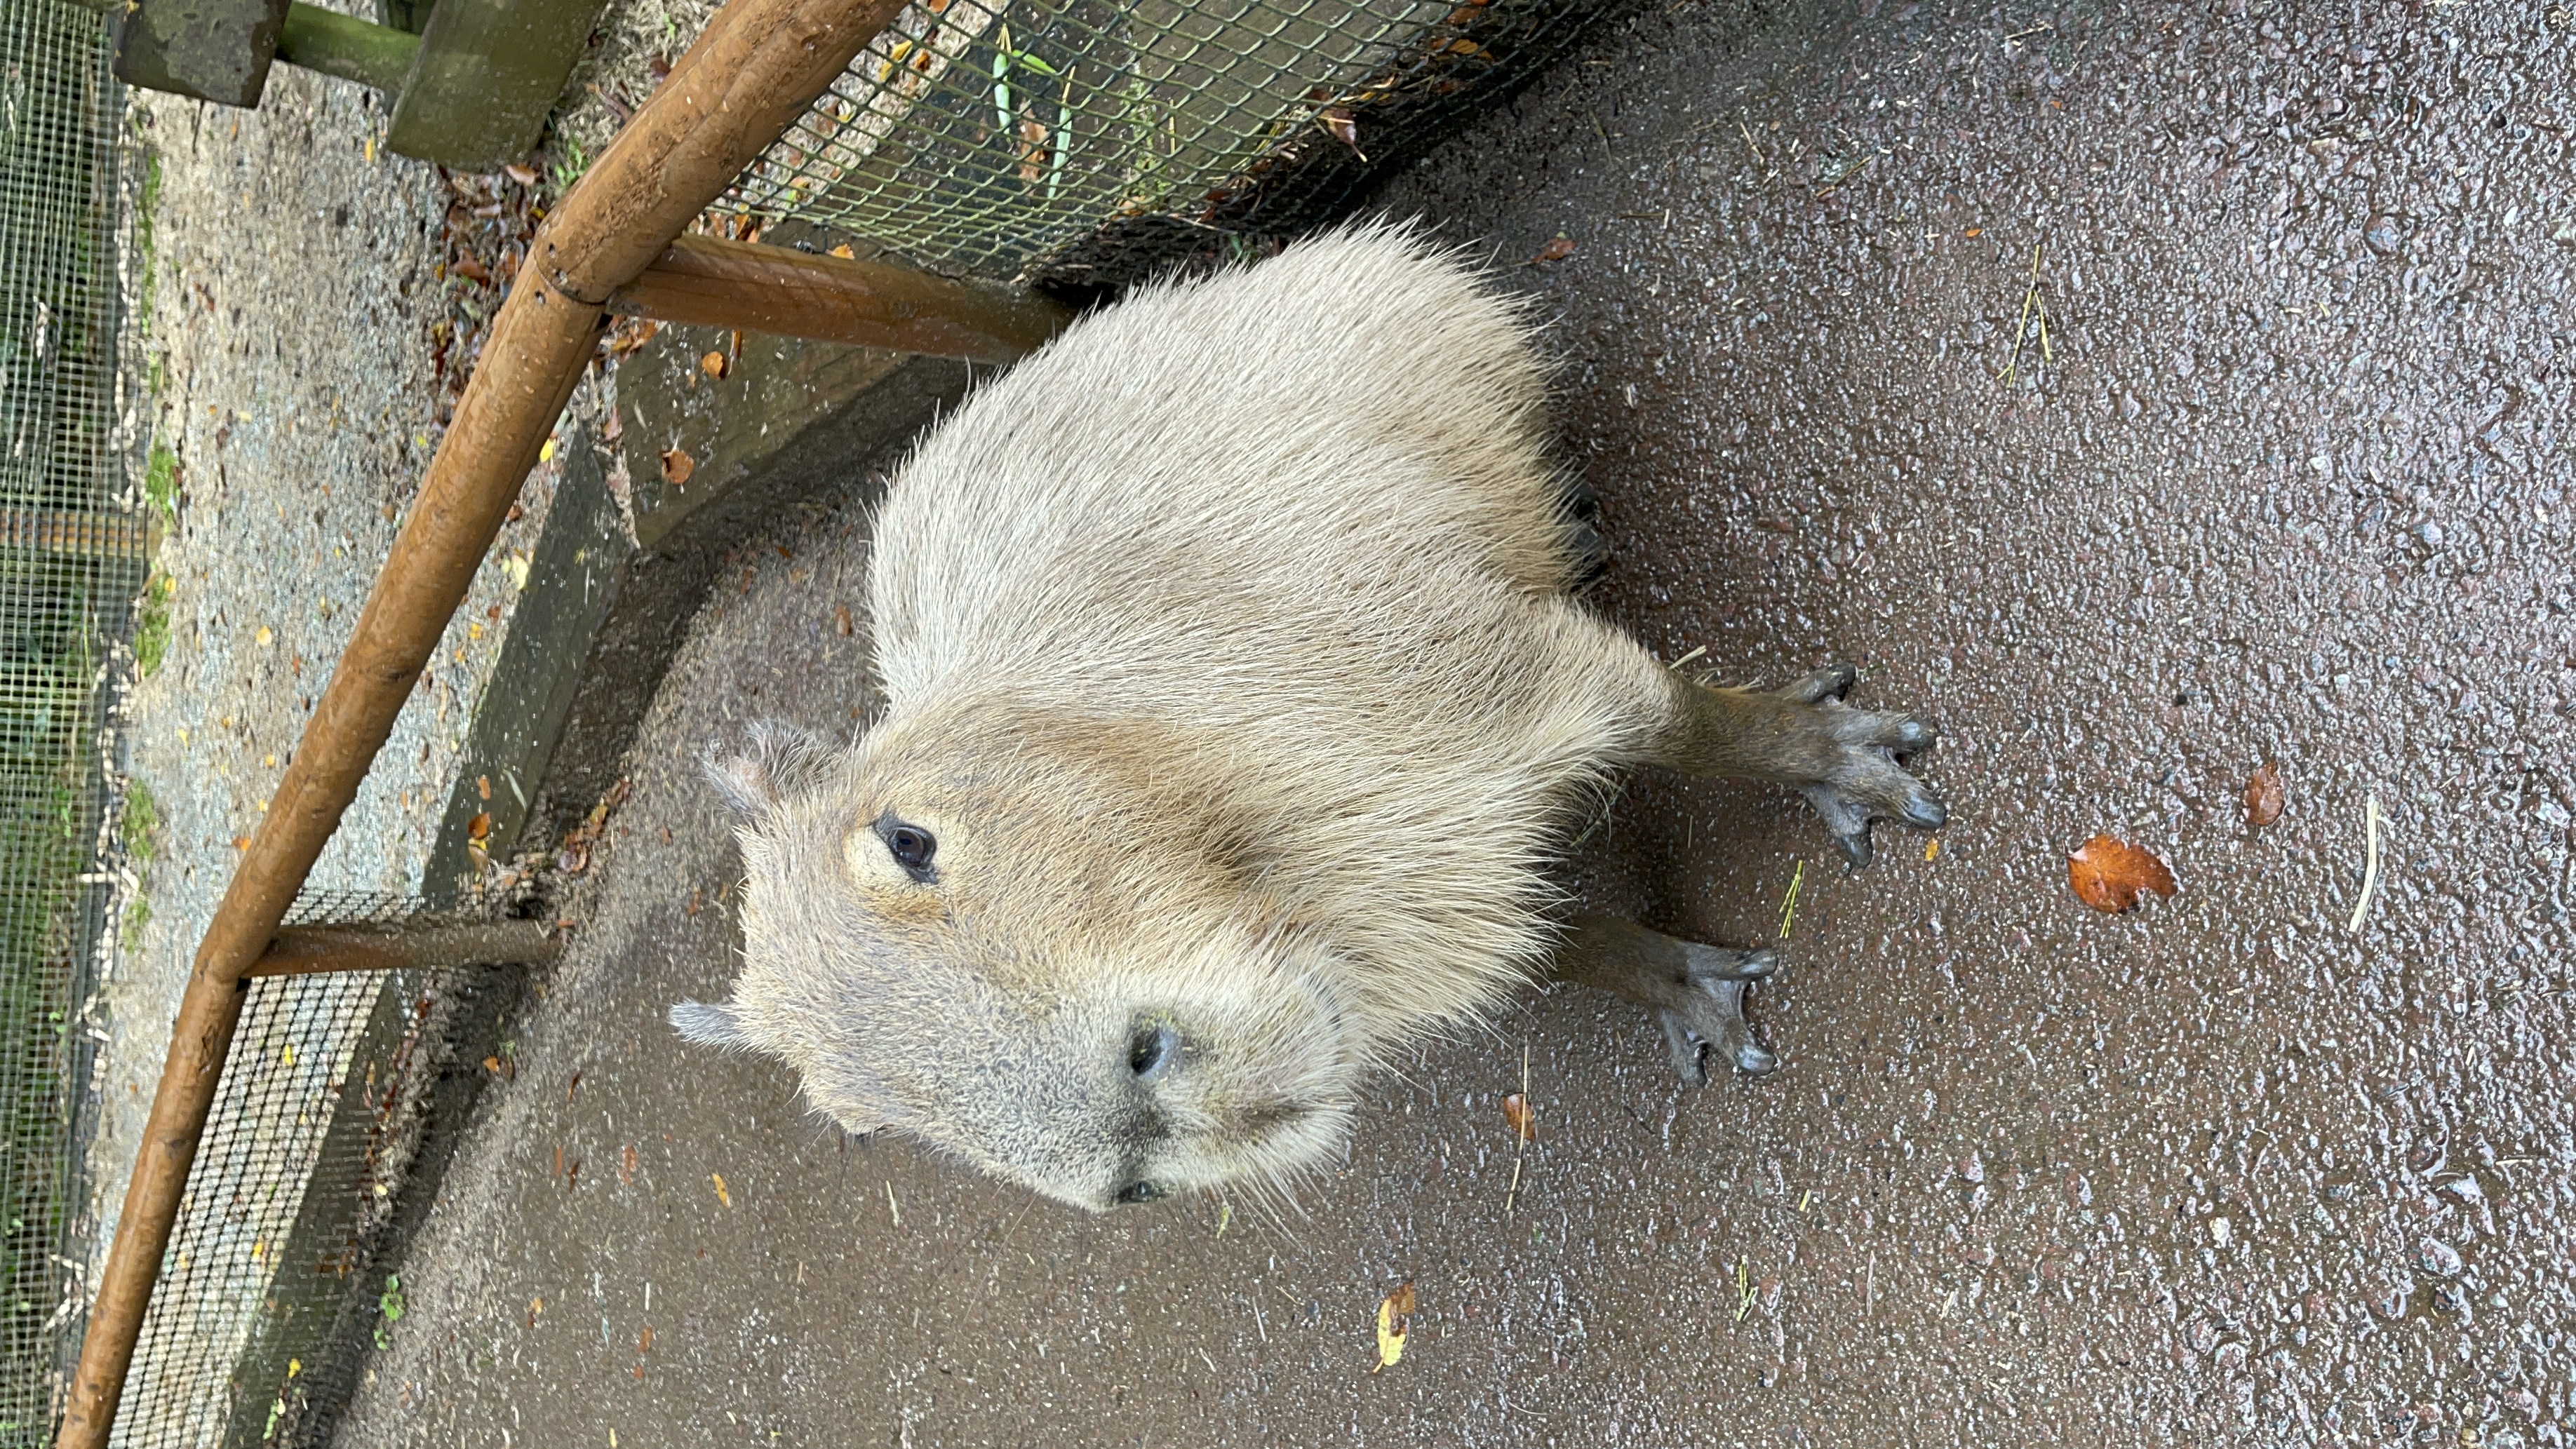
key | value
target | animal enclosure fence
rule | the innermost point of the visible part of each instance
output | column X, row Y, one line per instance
column 1087, row 141
column 73, row 548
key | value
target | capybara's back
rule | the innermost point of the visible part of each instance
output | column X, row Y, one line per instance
column 1233, row 698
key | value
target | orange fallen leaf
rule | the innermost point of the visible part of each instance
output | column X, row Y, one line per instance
column 844, row 253
column 1517, row 1114
column 677, row 466
column 1391, row 1326
column 644, row 1340
column 522, row 174
column 1555, row 251
column 2108, row 873
column 480, row 827
column 722, row 1196
column 1976, row 231
column 241, row 842
column 626, row 1164
column 2263, row 797
column 714, row 365
column 841, row 620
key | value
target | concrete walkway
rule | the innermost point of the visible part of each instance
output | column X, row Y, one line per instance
column 2286, row 481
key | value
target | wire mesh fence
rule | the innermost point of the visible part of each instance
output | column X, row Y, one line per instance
column 72, row 556
column 1087, row 141
column 340, row 1095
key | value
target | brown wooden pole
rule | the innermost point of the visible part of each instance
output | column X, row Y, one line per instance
column 710, row 282
column 397, row 945
column 754, row 70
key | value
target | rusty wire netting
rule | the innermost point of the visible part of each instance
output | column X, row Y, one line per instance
column 1088, row 140
column 72, row 549
column 283, row 1263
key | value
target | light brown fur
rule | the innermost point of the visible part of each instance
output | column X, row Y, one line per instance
column 1230, row 662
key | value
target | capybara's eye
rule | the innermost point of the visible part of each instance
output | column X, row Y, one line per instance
column 1152, row 1048
column 911, row 845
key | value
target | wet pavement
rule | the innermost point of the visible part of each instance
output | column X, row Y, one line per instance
column 2286, row 481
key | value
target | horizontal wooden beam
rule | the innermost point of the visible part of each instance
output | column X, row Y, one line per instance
column 304, row 950
column 710, row 282
column 377, row 56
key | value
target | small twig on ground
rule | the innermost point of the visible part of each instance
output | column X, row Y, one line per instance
column 1520, row 1139
column 2031, row 302
column 2370, row 870
column 1789, row 907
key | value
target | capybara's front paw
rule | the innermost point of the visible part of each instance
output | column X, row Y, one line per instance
column 1863, row 776
column 1709, row 1014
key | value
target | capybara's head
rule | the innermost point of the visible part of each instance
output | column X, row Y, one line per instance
column 1016, row 939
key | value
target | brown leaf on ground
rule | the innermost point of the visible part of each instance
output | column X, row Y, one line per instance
column 522, row 174
column 1555, row 251
column 677, row 466
column 841, row 620
column 714, row 365
column 1344, row 127
column 2108, row 873
column 626, row 1164
column 1517, row 1114
column 2263, row 797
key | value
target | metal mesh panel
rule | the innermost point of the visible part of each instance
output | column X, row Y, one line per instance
column 71, row 560
column 277, row 1269
column 279, row 1260
column 261, row 1153
column 1000, row 137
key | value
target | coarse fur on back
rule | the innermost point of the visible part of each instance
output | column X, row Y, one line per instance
column 1234, row 703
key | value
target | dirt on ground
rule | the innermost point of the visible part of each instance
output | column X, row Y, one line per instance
column 2282, row 1159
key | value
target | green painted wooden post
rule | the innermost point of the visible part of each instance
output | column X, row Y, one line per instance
column 215, row 50
column 488, row 75
column 335, row 44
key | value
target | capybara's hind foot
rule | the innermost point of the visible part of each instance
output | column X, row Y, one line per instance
column 1850, row 764
column 1696, row 991
column 1710, row 1014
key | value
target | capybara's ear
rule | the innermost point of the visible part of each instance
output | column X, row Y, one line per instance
column 774, row 761
column 712, row 1023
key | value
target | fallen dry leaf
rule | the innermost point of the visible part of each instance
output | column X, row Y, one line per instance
column 1516, row 1113
column 722, row 1196
column 1555, row 251
column 2108, row 873
column 841, row 620
column 626, row 1164
column 2263, row 798
column 714, row 365
column 1391, row 1326
column 644, row 1340
column 480, row 827
column 1343, row 126
column 677, row 466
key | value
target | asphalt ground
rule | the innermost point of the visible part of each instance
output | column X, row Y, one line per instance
column 2285, row 481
